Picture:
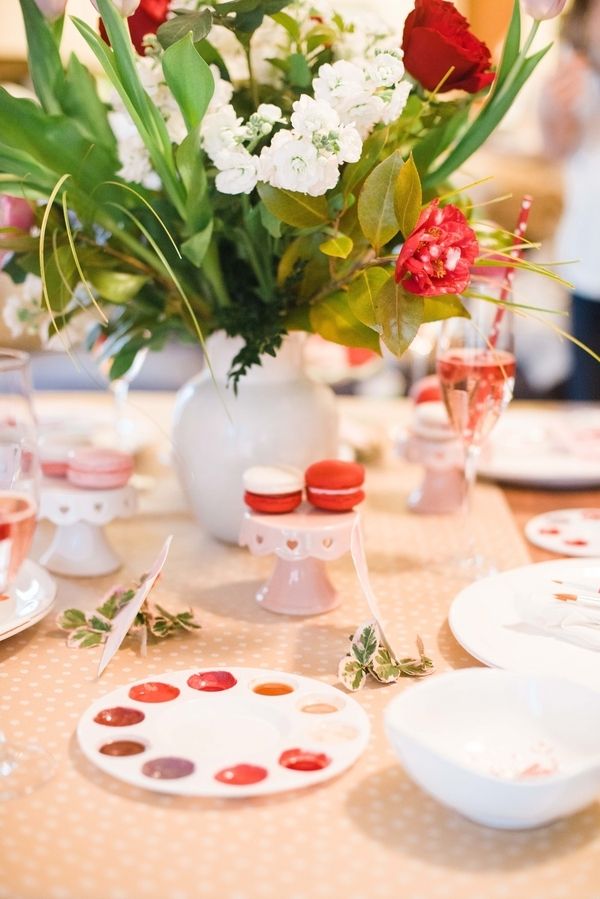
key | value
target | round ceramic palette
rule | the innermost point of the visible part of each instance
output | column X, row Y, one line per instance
column 224, row 732
column 568, row 532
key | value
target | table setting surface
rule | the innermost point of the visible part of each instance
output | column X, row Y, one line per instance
column 370, row 832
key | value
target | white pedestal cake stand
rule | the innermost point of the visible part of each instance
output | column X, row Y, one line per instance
column 302, row 541
column 80, row 548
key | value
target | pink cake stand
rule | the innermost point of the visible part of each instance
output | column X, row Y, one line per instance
column 302, row 541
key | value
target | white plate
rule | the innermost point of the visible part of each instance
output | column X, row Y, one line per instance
column 545, row 448
column 567, row 532
column 235, row 726
column 31, row 598
column 485, row 620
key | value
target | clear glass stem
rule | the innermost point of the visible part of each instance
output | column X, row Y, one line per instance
column 120, row 391
column 472, row 452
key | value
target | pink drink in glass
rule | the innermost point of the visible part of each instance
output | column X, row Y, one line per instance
column 17, row 525
column 477, row 385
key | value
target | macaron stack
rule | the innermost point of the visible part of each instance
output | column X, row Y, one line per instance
column 99, row 469
column 273, row 489
column 331, row 485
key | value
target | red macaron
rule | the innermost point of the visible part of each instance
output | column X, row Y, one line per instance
column 273, row 489
column 335, row 486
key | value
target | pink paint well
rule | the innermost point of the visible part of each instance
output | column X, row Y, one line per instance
column 241, row 775
column 212, row 681
column 154, row 691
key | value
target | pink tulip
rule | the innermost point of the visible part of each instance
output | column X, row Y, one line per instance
column 14, row 213
column 124, row 7
column 544, row 9
column 52, row 9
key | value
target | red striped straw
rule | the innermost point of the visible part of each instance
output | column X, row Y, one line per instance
column 509, row 273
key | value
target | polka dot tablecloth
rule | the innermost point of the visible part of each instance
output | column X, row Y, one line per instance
column 371, row 833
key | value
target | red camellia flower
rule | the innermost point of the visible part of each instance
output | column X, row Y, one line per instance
column 437, row 256
column 147, row 19
column 437, row 38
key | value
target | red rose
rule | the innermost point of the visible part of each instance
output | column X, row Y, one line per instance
column 147, row 19
column 437, row 256
column 437, row 37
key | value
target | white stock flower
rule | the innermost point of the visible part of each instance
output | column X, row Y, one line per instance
column 221, row 130
column 238, row 171
column 223, row 91
column 396, row 102
column 293, row 163
column 21, row 305
column 338, row 81
column 261, row 122
column 269, row 112
column 363, row 110
column 311, row 115
column 386, row 68
column 136, row 164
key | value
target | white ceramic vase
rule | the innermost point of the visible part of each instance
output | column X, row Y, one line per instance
column 279, row 416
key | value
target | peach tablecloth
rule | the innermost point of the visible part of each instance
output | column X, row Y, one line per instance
column 370, row 834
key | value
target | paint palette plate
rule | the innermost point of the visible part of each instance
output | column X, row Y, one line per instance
column 30, row 598
column 568, row 532
column 224, row 732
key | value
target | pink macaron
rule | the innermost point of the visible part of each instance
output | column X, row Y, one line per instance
column 99, row 469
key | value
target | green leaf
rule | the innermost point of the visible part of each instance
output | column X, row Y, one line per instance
column 356, row 172
column 399, row 316
column 299, row 72
column 298, row 319
column 88, row 638
column 339, row 246
column 195, row 247
column 512, row 45
column 45, row 66
column 408, row 197
column 439, row 138
column 364, row 644
column 290, row 24
column 99, row 624
column 376, row 212
column 71, row 618
column 189, row 79
column 295, row 255
column 269, row 222
column 436, row 309
column 198, row 24
column 362, row 292
column 384, row 667
column 116, row 287
column 79, row 100
column 352, row 674
column 295, row 209
column 333, row 320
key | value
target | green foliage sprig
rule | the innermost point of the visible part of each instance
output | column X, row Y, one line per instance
column 370, row 656
column 152, row 622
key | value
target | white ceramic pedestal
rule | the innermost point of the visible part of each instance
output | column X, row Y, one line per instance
column 302, row 541
column 80, row 548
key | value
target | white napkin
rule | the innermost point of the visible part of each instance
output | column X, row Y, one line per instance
column 563, row 620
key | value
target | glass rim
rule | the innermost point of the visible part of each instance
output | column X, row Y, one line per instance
column 13, row 360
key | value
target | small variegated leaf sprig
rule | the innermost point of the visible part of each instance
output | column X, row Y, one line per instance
column 369, row 655
column 152, row 622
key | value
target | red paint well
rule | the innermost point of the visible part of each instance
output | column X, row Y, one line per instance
column 212, row 681
column 241, row 775
column 119, row 717
column 154, row 691
column 304, row 760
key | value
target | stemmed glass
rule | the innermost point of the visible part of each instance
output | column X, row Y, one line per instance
column 119, row 389
column 22, row 766
column 476, row 367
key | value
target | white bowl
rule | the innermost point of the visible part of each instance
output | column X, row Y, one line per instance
column 469, row 738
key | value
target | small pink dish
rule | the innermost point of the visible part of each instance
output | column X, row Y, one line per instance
column 99, row 469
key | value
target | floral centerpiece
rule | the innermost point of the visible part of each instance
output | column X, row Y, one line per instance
column 255, row 167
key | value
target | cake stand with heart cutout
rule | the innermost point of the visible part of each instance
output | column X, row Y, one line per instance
column 302, row 542
column 80, row 547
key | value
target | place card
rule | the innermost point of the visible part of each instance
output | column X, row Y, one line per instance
column 126, row 616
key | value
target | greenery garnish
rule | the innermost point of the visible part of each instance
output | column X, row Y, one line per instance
column 369, row 655
column 152, row 622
